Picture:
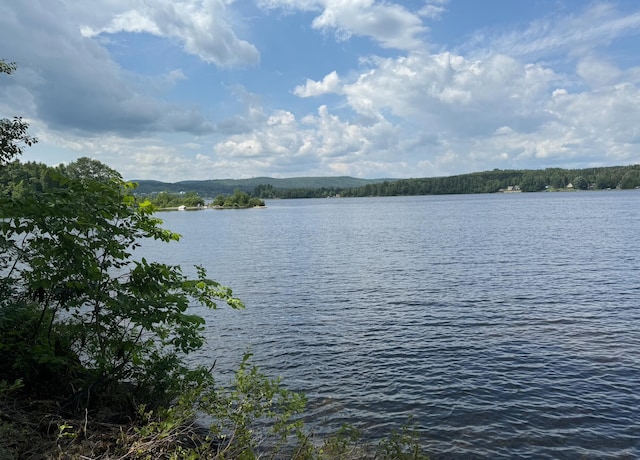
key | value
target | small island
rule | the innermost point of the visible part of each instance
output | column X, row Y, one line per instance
column 189, row 201
column 165, row 201
column 237, row 200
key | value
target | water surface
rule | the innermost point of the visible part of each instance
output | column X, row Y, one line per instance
column 507, row 325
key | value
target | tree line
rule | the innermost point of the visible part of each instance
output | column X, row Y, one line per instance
column 165, row 200
column 614, row 177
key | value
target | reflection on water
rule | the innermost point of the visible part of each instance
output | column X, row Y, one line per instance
column 508, row 325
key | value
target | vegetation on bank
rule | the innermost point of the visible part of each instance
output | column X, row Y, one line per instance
column 615, row 177
column 237, row 200
column 622, row 177
column 94, row 342
column 166, row 200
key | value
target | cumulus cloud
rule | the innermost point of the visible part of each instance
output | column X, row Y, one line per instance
column 589, row 127
column 251, row 117
column 317, row 142
column 175, row 75
column 134, row 158
column 446, row 92
column 79, row 87
column 597, row 72
column 202, row 27
column 451, row 115
column 391, row 25
column 329, row 84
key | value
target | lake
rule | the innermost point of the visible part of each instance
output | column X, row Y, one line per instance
column 508, row 325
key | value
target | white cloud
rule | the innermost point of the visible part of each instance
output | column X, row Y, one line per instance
column 433, row 9
column 175, row 75
column 329, row 84
column 597, row 72
column 389, row 24
column 202, row 27
column 131, row 21
column 446, row 92
column 79, row 87
column 318, row 142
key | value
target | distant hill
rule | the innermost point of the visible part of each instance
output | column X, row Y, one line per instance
column 211, row 188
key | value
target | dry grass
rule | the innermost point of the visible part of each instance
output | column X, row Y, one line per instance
column 39, row 430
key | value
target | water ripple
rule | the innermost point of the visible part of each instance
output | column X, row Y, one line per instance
column 509, row 327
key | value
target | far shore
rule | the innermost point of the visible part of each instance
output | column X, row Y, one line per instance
column 200, row 208
column 180, row 208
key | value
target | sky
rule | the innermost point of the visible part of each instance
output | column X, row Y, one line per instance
column 210, row 89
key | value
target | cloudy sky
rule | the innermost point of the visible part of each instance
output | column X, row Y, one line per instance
column 210, row 89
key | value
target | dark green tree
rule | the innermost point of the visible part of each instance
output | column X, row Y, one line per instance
column 70, row 264
column 580, row 183
column 631, row 179
column 89, row 169
column 13, row 132
column 238, row 199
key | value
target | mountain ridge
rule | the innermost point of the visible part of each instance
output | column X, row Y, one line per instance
column 213, row 187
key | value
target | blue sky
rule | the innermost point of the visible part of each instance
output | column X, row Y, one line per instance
column 210, row 89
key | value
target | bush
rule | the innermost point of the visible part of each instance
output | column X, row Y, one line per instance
column 70, row 273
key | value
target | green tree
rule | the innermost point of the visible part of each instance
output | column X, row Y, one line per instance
column 580, row 183
column 173, row 200
column 13, row 133
column 89, row 169
column 532, row 182
column 239, row 199
column 219, row 199
column 71, row 262
column 192, row 199
column 631, row 178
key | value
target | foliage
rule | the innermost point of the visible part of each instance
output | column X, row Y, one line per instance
column 580, row 183
column 13, row 132
column 68, row 267
column 401, row 445
column 13, row 138
column 7, row 67
column 89, row 169
column 18, row 179
column 626, row 177
column 213, row 187
column 253, row 417
column 174, row 200
column 238, row 199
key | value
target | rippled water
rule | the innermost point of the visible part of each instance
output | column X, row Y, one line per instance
column 508, row 325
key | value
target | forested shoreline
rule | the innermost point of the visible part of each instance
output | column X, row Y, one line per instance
column 614, row 177
column 527, row 180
